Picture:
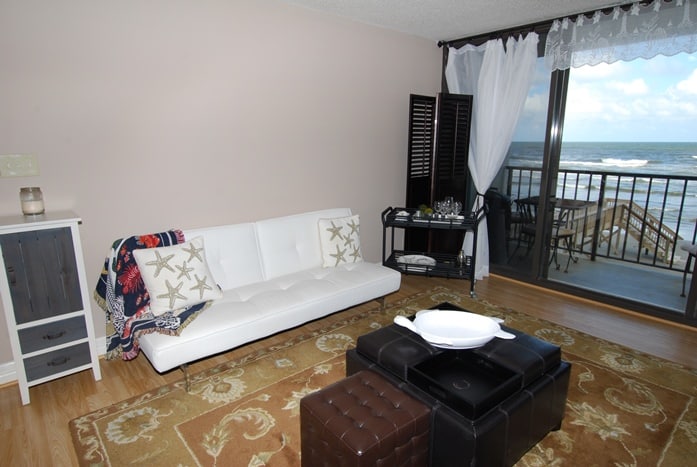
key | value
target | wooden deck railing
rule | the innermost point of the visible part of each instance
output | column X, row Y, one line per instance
column 621, row 217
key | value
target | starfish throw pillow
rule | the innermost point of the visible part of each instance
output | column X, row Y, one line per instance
column 176, row 276
column 340, row 241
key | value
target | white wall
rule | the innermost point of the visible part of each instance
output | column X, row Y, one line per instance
column 149, row 115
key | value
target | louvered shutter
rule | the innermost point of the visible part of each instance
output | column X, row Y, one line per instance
column 452, row 146
column 422, row 113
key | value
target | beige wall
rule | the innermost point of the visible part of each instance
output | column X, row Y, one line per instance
column 147, row 115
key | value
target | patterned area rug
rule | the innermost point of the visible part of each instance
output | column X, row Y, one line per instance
column 624, row 408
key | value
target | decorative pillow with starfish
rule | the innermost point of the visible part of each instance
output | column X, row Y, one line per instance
column 340, row 241
column 177, row 276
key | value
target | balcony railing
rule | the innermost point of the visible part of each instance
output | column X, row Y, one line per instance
column 635, row 217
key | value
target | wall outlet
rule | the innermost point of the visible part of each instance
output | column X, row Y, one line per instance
column 18, row 165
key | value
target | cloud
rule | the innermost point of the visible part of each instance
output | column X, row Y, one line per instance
column 616, row 101
column 599, row 71
column 689, row 85
column 635, row 87
column 584, row 99
column 642, row 100
column 535, row 104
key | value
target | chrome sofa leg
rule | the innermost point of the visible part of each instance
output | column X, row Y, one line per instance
column 381, row 301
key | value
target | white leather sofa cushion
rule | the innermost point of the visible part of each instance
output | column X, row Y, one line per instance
column 232, row 253
column 289, row 244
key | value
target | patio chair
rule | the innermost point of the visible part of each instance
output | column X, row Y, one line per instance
column 561, row 234
column 517, row 221
column 526, row 210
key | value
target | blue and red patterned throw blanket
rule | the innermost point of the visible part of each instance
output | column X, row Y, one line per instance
column 121, row 293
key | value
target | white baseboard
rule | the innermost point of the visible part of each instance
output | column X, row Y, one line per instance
column 100, row 342
column 8, row 372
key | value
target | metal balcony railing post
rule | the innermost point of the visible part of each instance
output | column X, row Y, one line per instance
column 598, row 218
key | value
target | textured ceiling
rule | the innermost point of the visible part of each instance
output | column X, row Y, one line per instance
column 452, row 19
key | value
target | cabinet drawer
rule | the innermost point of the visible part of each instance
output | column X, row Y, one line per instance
column 52, row 334
column 57, row 361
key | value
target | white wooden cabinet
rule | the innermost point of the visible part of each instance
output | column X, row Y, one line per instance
column 45, row 298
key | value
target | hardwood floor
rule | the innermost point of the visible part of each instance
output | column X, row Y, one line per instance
column 37, row 434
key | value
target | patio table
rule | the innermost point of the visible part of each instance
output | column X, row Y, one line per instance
column 562, row 231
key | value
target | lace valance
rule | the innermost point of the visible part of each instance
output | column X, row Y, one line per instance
column 636, row 31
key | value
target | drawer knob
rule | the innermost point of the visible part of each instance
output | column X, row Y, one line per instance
column 54, row 335
column 58, row 361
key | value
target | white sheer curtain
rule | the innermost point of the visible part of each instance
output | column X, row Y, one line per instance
column 499, row 79
column 637, row 31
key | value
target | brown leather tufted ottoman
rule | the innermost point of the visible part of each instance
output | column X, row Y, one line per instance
column 363, row 420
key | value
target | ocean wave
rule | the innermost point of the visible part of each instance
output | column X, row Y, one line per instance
column 608, row 162
column 572, row 184
column 625, row 162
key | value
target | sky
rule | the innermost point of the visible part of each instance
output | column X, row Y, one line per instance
column 643, row 100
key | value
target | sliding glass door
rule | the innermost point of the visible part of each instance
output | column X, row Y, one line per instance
column 592, row 201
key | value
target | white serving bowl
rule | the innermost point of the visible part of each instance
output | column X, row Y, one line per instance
column 458, row 329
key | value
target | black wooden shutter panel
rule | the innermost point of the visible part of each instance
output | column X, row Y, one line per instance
column 422, row 115
column 452, row 136
column 422, row 111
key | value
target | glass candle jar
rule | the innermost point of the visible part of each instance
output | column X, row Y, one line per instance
column 32, row 200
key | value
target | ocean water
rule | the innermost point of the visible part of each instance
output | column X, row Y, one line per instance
column 652, row 158
column 631, row 167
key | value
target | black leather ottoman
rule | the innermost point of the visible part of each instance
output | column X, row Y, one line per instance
column 363, row 420
column 475, row 429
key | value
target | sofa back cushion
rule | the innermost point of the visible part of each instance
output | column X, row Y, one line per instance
column 232, row 252
column 290, row 244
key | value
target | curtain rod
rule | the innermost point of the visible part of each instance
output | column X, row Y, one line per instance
column 502, row 33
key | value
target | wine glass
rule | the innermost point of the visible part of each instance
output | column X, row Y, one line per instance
column 438, row 207
column 444, row 208
column 457, row 208
column 447, row 205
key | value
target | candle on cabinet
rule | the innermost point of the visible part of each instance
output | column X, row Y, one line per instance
column 32, row 200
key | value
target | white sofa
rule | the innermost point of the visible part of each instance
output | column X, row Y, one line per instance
column 272, row 277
